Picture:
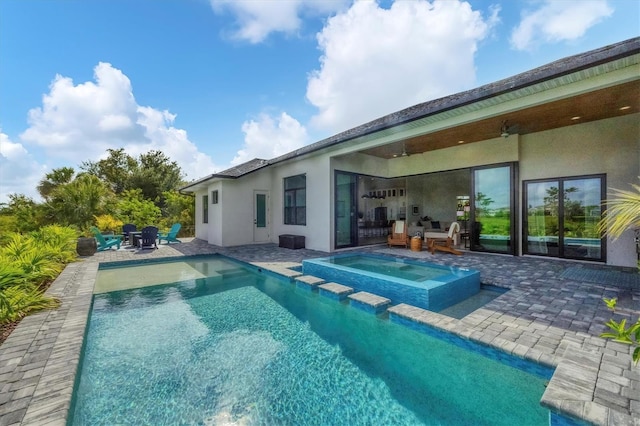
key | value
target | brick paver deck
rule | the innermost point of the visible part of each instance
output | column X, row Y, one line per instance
column 553, row 314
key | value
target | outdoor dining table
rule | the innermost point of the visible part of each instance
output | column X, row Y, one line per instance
column 133, row 237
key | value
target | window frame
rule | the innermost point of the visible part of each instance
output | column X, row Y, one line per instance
column 205, row 209
column 214, row 196
column 296, row 213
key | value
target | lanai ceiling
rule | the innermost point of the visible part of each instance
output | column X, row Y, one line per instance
column 605, row 103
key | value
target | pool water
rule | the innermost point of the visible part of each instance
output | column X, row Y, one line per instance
column 395, row 269
column 247, row 348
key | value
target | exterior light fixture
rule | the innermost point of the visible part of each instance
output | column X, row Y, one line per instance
column 577, row 117
column 504, row 130
column 625, row 107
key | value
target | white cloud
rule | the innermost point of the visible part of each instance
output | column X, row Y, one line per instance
column 256, row 20
column 19, row 172
column 556, row 21
column 270, row 137
column 80, row 122
column 376, row 61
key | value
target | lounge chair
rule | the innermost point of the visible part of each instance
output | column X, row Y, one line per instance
column 106, row 242
column 148, row 236
column 126, row 229
column 171, row 236
column 398, row 237
column 444, row 242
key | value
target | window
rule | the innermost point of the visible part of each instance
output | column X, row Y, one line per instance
column 205, row 209
column 295, row 200
column 214, row 197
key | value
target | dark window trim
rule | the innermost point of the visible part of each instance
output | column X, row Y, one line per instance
column 205, row 209
column 295, row 207
column 214, row 196
column 561, row 180
column 513, row 177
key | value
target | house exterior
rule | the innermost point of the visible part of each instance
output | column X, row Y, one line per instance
column 523, row 164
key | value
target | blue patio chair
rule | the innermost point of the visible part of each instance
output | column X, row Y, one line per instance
column 105, row 243
column 148, row 236
column 129, row 227
column 171, row 236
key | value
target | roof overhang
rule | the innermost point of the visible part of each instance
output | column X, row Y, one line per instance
column 439, row 133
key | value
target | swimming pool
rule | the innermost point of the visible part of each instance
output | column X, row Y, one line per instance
column 247, row 348
column 421, row 284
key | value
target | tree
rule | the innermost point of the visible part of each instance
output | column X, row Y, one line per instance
column 134, row 208
column 77, row 202
column 180, row 208
column 155, row 175
column 54, row 179
column 27, row 214
column 482, row 204
column 117, row 169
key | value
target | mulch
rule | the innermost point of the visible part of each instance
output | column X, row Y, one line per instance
column 6, row 329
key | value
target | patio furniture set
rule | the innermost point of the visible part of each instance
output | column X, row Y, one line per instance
column 147, row 237
column 435, row 241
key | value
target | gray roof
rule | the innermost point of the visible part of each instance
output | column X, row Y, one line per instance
column 233, row 172
column 546, row 72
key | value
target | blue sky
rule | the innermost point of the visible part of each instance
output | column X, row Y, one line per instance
column 215, row 83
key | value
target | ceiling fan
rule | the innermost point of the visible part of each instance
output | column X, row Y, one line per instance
column 404, row 152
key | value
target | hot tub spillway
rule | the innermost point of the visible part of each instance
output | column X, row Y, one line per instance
column 428, row 286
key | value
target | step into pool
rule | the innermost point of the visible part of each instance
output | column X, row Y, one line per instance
column 421, row 284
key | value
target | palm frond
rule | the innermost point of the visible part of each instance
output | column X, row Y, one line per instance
column 623, row 212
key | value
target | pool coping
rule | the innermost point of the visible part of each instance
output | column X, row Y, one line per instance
column 41, row 356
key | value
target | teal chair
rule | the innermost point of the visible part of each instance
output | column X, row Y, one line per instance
column 105, row 243
column 171, row 236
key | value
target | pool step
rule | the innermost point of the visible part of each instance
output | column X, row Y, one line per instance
column 335, row 291
column 369, row 302
column 308, row 282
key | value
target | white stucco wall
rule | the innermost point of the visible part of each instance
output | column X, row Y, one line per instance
column 231, row 221
column 202, row 229
column 493, row 151
column 319, row 213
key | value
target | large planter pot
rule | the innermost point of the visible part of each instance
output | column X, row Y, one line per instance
column 86, row 246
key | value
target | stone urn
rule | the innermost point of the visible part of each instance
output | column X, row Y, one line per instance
column 86, row 246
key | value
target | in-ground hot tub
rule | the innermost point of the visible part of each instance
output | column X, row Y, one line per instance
column 421, row 284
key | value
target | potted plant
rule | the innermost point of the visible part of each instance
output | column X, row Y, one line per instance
column 86, row 245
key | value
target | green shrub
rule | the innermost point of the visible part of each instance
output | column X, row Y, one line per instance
column 621, row 333
column 28, row 263
column 23, row 300
column 108, row 223
column 9, row 276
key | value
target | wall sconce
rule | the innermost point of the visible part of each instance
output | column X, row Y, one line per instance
column 504, row 130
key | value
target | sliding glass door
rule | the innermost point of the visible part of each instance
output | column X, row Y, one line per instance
column 493, row 209
column 346, row 224
column 561, row 216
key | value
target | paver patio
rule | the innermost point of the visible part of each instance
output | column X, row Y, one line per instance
column 553, row 314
